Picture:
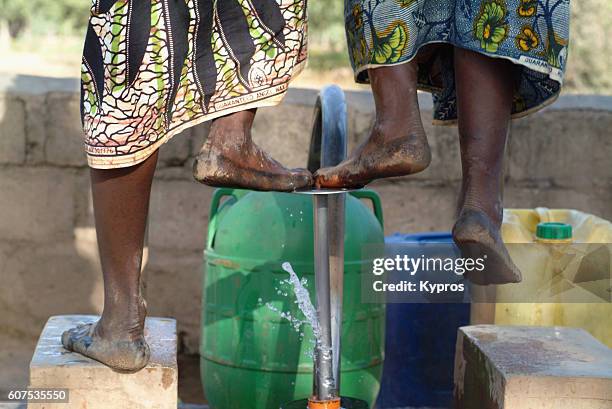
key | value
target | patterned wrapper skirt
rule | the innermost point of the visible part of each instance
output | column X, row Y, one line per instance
column 152, row 68
column 533, row 34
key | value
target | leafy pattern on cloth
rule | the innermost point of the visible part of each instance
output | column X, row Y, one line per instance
column 533, row 34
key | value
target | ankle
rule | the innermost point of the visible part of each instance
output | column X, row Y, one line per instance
column 493, row 210
column 387, row 129
column 128, row 321
column 238, row 121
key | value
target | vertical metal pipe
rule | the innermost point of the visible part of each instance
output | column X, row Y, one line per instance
column 324, row 384
column 333, row 151
column 336, row 267
column 328, row 148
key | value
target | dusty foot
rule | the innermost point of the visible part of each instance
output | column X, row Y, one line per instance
column 121, row 355
column 381, row 156
column 229, row 158
column 397, row 145
column 476, row 234
column 124, row 350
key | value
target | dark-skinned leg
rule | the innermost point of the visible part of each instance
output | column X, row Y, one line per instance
column 230, row 158
column 485, row 88
column 397, row 144
column 121, row 206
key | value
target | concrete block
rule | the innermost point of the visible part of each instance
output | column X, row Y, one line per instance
column 179, row 214
column 12, row 130
column 36, row 127
column 177, row 150
column 93, row 385
column 516, row 367
column 83, row 200
column 571, row 148
column 172, row 277
column 410, row 206
column 64, row 144
column 445, row 158
column 360, row 124
column 36, row 204
column 199, row 133
column 284, row 132
column 47, row 279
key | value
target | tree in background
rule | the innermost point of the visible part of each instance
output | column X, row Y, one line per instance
column 589, row 66
column 44, row 16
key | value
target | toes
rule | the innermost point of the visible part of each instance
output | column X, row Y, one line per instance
column 67, row 339
column 475, row 235
column 326, row 177
column 302, row 178
column 77, row 339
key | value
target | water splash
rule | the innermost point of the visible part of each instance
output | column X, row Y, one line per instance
column 303, row 301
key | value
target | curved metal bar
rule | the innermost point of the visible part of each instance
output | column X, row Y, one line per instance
column 328, row 148
column 328, row 142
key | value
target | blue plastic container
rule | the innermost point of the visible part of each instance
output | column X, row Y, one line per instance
column 420, row 345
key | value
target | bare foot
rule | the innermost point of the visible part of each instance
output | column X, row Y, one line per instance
column 476, row 235
column 117, row 344
column 123, row 355
column 397, row 145
column 229, row 158
column 381, row 156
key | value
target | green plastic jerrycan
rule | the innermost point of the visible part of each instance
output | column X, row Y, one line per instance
column 251, row 357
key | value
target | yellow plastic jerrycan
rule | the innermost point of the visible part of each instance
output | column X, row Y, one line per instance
column 566, row 263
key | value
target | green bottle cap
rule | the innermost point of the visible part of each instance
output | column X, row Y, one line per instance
column 554, row 231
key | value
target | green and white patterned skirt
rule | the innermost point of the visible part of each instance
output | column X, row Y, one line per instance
column 531, row 33
column 152, row 68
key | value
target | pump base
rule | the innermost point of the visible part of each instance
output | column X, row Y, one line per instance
column 345, row 403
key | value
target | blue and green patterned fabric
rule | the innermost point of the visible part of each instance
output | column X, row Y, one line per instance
column 531, row 33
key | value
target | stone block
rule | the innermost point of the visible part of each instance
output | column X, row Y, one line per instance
column 570, row 148
column 43, row 279
column 93, row 385
column 177, row 150
column 179, row 214
column 284, row 132
column 36, row 204
column 517, row 367
column 199, row 133
column 36, row 127
column 64, row 144
column 174, row 288
column 410, row 206
column 445, row 158
column 12, row 130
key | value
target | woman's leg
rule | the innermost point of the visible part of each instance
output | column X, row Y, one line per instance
column 485, row 89
column 397, row 144
column 230, row 158
column 121, row 206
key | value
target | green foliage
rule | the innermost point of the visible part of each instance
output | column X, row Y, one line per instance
column 44, row 16
column 326, row 24
column 589, row 67
column 590, row 56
